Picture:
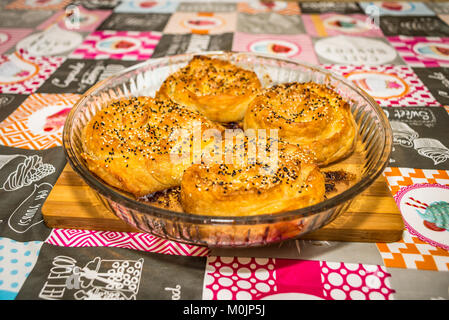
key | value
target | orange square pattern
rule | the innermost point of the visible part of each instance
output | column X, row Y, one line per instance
column 25, row 127
column 413, row 253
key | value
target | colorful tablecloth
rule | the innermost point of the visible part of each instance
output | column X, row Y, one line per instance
column 397, row 52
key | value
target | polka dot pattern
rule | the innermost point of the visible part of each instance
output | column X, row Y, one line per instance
column 232, row 278
column 17, row 261
column 346, row 281
column 252, row 278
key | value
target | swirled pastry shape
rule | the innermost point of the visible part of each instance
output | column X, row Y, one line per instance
column 310, row 115
column 217, row 89
column 133, row 144
column 253, row 186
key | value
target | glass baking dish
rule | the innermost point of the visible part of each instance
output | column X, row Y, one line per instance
column 368, row 161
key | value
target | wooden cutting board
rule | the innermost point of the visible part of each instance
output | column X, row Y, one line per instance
column 372, row 217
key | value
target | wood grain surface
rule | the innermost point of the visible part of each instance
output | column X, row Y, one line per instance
column 372, row 217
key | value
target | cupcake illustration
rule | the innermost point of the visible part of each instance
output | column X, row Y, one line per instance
column 435, row 214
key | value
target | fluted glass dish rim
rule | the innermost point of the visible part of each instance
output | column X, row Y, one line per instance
column 107, row 191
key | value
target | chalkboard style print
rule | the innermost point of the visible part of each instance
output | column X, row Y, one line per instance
column 329, row 6
column 26, row 179
column 29, row 169
column 112, row 274
column 171, row 44
column 433, row 149
column 78, row 75
column 416, row 142
column 97, row 4
column 135, row 22
column 402, row 134
column 9, row 103
column 425, row 209
column 414, row 26
column 269, row 23
column 437, row 81
column 18, row 171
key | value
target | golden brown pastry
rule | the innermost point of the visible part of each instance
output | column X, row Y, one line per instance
column 310, row 115
column 253, row 186
column 217, row 89
column 131, row 144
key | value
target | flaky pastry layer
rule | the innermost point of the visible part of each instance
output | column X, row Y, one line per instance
column 310, row 115
column 217, row 89
column 131, row 143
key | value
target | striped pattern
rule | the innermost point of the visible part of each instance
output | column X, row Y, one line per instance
column 128, row 240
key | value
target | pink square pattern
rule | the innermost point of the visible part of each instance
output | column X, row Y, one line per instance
column 422, row 51
column 290, row 46
column 237, row 278
column 128, row 240
column 120, row 45
column 330, row 24
column 389, row 85
column 23, row 74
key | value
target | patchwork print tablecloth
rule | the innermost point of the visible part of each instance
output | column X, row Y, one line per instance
column 397, row 52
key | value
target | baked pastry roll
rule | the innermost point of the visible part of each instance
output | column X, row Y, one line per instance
column 133, row 144
column 247, row 188
column 310, row 115
column 217, row 89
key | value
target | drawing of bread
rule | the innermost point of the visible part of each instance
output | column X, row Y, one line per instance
column 432, row 148
column 23, row 171
column 403, row 134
